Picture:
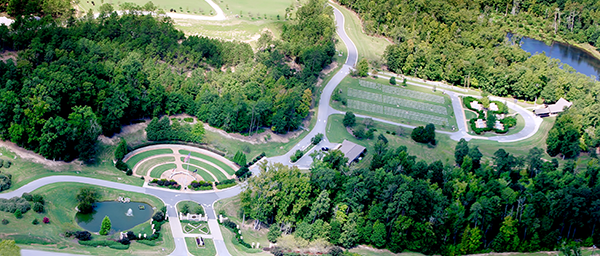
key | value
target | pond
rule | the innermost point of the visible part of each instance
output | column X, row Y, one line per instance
column 578, row 59
column 118, row 214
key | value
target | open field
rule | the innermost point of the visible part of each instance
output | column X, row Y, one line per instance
column 444, row 150
column 257, row 9
column 231, row 29
column 60, row 209
column 411, row 105
column 24, row 171
column 133, row 160
column 231, row 208
column 196, row 7
column 203, row 173
column 158, row 170
column 219, row 174
column 146, row 165
column 223, row 166
column 369, row 47
column 208, row 250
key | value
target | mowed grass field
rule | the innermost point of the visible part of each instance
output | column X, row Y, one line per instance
column 60, row 203
column 369, row 47
column 257, row 9
column 195, row 7
column 146, row 165
column 424, row 107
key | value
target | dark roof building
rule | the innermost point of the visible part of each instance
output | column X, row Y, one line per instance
column 352, row 151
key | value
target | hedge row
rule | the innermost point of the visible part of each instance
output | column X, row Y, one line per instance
column 201, row 185
column 233, row 228
column 109, row 243
column 225, row 183
column 166, row 183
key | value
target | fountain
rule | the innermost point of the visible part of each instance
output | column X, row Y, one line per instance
column 129, row 212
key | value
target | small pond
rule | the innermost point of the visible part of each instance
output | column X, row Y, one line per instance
column 118, row 214
column 578, row 59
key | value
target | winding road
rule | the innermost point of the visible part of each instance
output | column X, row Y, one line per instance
column 207, row 199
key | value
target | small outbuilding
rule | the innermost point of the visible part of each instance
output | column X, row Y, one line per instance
column 553, row 109
column 352, row 151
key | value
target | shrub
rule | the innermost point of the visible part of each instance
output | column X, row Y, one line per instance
column 225, row 183
column 393, row 80
column 38, row 207
column 121, row 166
column 27, row 196
column 297, row 155
column 1, row 163
column 424, row 134
column 83, row 235
column 273, row 234
column 35, row 221
column 105, row 226
column 5, row 181
column 13, row 204
column 239, row 158
column 241, row 173
column 159, row 216
column 18, row 214
column 124, row 240
column 7, row 164
column 121, row 150
column 5, row 222
column 87, row 196
column 37, row 199
column 185, row 209
column 46, row 220
column 109, row 243
column 129, row 172
column 349, row 119
column 189, row 119
column 315, row 140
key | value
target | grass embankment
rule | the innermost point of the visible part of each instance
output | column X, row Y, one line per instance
column 231, row 208
column 350, row 83
column 257, row 9
column 148, row 164
column 201, row 171
column 158, row 170
column 369, row 47
column 60, row 209
column 192, row 206
column 135, row 159
column 24, row 171
column 207, row 250
column 218, row 173
column 198, row 7
column 213, row 160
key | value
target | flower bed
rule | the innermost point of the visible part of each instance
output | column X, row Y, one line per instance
column 166, row 183
column 201, row 185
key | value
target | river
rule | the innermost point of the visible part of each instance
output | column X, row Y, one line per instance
column 578, row 59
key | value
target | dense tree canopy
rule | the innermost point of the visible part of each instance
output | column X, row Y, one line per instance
column 402, row 203
column 74, row 82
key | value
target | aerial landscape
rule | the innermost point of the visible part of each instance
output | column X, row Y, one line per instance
column 299, row 127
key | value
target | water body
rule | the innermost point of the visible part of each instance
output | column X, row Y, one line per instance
column 117, row 213
column 578, row 59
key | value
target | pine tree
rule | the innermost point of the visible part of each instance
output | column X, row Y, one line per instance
column 121, row 150
column 106, row 226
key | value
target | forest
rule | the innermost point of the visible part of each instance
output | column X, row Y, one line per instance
column 77, row 78
column 510, row 204
column 465, row 43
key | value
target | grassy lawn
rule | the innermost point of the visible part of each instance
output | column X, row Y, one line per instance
column 231, row 207
column 517, row 128
column 444, row 150
column 349, row 86
column 196, row 7
column 24, row 171
column 207, row 250
column 145, row 166
column 220, row 176
column 213, row 160
column 257, row 9
column 520, row 148
column 237, row 249
column 376, row 252
column 132, row 161
column 193, row 207
column 469, row 114
column 158, row 170
column 368, row 47
column 203, row 173
column 60, row 209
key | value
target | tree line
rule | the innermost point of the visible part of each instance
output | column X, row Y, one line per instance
column 512, row 203
column 89, row 76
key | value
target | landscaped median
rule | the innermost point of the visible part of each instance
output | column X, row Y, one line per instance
column 491, row 115
column 300, row 152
